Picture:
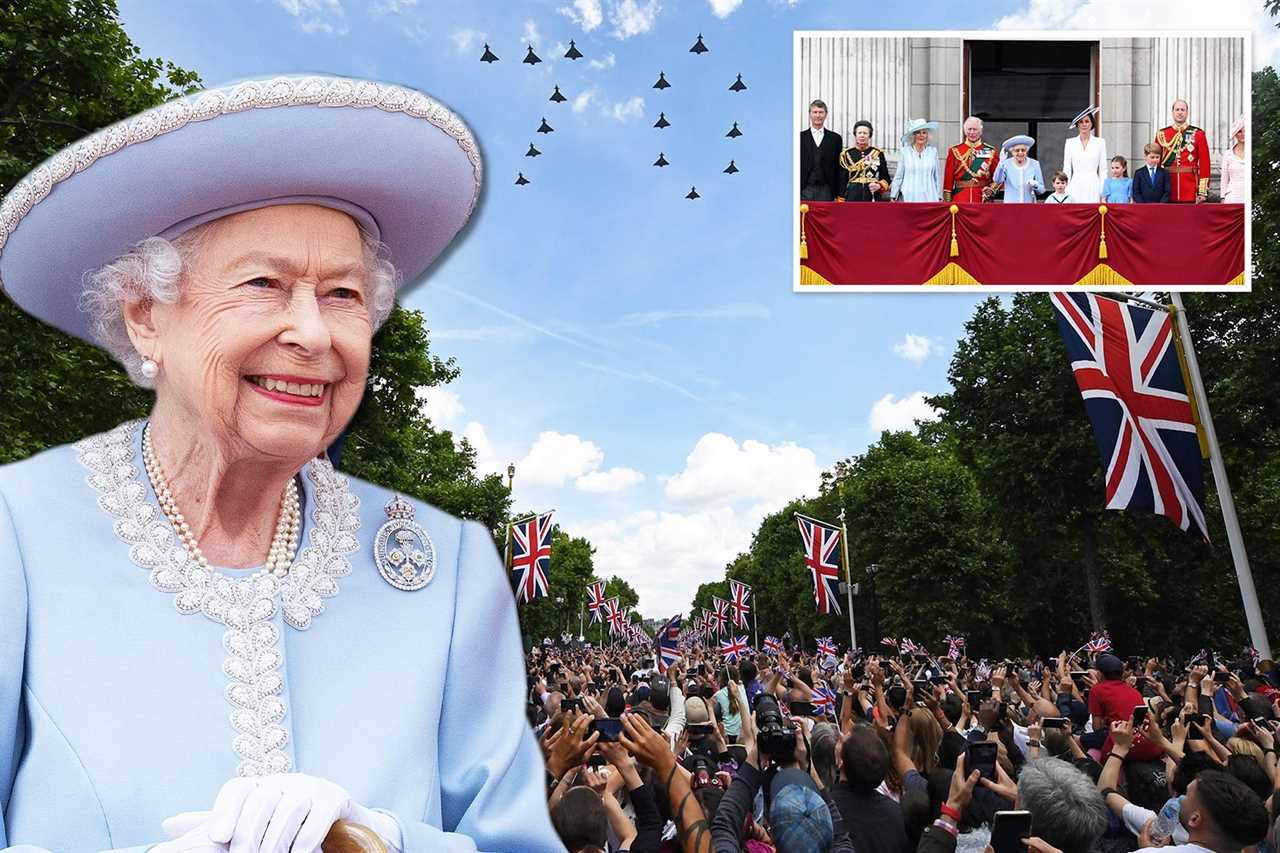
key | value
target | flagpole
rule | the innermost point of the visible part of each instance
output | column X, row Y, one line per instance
column 755, row 625
column 1252, row 612
column 848, row 580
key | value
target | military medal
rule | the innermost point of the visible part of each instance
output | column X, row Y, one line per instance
column 402, row 550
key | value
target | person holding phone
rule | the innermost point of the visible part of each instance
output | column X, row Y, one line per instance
column 1113, row 699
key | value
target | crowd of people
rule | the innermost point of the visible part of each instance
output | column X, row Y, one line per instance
column 802, row 753
column 1174, row 166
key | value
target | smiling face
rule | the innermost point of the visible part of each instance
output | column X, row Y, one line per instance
column 1019, row 153
column 972, row 129
column 1180, row 112
column 267, row 348
column 817, row 117
column 920, row 138
column 1085, row 125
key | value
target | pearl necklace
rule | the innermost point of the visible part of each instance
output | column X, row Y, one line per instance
column 284, row 544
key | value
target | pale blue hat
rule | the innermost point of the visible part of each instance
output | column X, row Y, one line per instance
column 1020, row 139
column 914, row 125
column 400, row 163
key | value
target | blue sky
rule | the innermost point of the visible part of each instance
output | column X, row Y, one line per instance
column 640, row 357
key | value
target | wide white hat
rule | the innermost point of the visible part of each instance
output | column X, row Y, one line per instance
column 400, row 163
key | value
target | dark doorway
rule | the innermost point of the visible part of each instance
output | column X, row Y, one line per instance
column 1031, row 87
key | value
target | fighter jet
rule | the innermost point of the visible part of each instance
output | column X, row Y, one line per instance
column 730, row 169
column 693, row 193
column 544, row 127
column 699, row 47
column 572, row 52
column 662, row 81
column 661, row 161
column 532, row 152
column 738, row 85
column 531, row 58
column 521, row 180
column 662, row 121
column 557, row 97
column 488, row 55
column 734, row 133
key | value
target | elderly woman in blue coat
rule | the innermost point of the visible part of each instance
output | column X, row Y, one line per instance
column 918, row 177
column 210, row 640
column 1019, row 174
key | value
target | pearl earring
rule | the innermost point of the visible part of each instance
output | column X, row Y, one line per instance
column 149, row 368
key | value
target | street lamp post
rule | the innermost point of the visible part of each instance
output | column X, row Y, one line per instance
column 511, row 474
column 871, row 594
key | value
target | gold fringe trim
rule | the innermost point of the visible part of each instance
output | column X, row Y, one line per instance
column 808, row 276
column 1103, row 274
column 952, row 273
column 1238, row 279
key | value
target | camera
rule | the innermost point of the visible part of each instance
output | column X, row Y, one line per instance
column 774, row 737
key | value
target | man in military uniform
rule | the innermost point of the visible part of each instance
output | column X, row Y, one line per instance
column 864, row 167
column 819, row 153
column 970, row 165
column 1185, row 156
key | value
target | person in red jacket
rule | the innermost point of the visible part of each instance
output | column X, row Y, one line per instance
column 970, row 166
column 1186, row 157
column 1113, row 699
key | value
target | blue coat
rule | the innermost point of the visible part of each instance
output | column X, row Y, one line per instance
column 1146, row 191
column 118, row 709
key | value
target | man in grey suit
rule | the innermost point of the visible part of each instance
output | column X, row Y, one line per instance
column 819, row 152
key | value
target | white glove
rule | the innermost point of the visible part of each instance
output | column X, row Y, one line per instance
column 188, row 835
column 283, row 813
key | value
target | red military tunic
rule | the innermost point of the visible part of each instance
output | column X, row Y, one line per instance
column 1185, row 154
column 969, row 169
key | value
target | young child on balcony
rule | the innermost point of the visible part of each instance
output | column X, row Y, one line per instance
column 1118, row 189
column 1059, row 194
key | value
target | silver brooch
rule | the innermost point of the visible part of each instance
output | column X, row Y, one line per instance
column 402, row 550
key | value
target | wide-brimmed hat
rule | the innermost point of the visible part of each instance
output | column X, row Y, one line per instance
column 914, row 125
column 399, row 162
column 1087, row 111
column 1020, row 139
column 1236, row 127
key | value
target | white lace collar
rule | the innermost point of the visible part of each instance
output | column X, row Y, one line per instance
column 246, row 606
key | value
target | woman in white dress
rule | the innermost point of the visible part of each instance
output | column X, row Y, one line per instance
column 1084, row 160
column 1234, row 168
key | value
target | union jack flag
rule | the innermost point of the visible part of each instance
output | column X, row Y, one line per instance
column 822, row 556
column 1128, row 372
column 740, row 593
column 531, row 555
column 667, row 642
column 1254, row 654
column 721, row 613
column 824, row 699
column 773, row 644
column 908, row 647
column 733, row 648
column 826, row 646
column 956, row 647
column 890, row 642
column 1100, row 642
column 614, row 615
column 595, row 600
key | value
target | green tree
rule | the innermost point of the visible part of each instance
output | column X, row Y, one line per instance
column 626, row 594
column 709, row 590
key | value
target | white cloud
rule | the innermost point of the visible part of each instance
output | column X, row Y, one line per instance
column 889, row 413
column 607, row 61
column 632, row 18
column 391, row 7
column 466, row 39
column 720, row 472
column 487, row 459
column 317, row 16
column 665, row 555
column 724, row 8
column 556, row 458
column 1191, row 16
column 530, row 33
column 582, row 100
column 609, row 482
column 585, row 13
column 731, row 311
column 440, row 404
column 916, row 348
column 625, row 111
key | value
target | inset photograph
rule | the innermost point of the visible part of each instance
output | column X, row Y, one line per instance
column 1021, row 160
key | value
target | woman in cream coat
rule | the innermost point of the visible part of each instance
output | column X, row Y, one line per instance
column 1084, row 160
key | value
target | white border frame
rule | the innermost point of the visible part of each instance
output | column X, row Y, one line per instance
column 1015, row 35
